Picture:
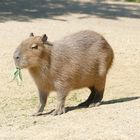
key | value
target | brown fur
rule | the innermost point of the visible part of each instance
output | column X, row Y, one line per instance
column 79, row 60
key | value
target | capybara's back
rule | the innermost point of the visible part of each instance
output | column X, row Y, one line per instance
column 79, row 60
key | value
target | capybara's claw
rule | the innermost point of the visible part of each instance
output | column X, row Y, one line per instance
column 94, row 104
column 58, row 111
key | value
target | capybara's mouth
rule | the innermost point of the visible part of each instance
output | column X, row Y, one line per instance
column 21, row 65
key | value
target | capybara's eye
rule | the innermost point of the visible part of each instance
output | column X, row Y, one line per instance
column 34, row 46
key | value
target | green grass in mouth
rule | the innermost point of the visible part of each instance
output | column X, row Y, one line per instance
column 17, row 76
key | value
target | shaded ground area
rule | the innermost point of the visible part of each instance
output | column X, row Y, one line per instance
column 26, row 10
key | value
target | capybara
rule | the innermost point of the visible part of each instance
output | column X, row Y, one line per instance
column 79, row 60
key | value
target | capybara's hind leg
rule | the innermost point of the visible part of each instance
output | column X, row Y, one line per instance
column 98, row 96
column 98, row 90
column 94, row 98
column 88, row 101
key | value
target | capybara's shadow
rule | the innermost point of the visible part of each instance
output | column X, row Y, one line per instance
column 120, row 100
column 114, row 101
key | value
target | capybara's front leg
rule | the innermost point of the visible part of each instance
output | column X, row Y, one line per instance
column 60, row 108
column 42, row 98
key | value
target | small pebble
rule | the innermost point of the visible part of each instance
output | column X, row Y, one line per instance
column 34, row 122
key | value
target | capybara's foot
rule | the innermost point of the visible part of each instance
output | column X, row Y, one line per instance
column 94, row 104
column 58, row 111
column 37, row 114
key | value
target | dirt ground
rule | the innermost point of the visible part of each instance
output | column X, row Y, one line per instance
column 118, row 118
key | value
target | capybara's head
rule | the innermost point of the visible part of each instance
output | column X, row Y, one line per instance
column 30, row 51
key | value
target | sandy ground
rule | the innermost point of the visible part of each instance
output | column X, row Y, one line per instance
column 119, row 116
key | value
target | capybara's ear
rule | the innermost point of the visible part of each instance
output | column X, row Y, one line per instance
column 44, row 38
column 31, row 34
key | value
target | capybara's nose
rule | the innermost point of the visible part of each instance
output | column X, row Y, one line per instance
column 17, row 55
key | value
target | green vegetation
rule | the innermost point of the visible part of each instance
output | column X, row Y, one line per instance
column 133, row 0
column 17, row 76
